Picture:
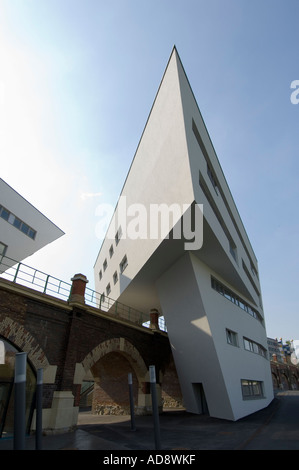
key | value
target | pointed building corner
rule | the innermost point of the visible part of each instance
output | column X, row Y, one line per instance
column 210, row 296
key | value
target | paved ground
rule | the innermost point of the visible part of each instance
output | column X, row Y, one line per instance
column 274, row 428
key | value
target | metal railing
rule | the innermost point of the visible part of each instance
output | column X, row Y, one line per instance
column 118, row 309
column 113, row 307
column 27, row 276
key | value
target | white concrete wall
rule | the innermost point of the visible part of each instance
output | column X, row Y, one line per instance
column 197, row 318
column 166, row 170
column 191, row 338
column 20, row 246
column 160, row 174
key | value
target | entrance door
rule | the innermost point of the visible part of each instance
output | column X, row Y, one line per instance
column 200, row 397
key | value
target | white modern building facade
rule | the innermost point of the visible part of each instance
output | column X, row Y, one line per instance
column 176, row 243
column 23, row 229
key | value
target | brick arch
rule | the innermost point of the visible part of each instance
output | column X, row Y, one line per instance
column 122, row 346
column 23, row 340
column 275, row 380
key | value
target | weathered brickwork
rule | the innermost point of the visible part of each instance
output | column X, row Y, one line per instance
column 111, row 385
column 285, row 376
column 68, row 340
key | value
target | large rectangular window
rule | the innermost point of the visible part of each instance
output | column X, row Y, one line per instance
column 252, row 346
column 230, row 295
column 252, row 389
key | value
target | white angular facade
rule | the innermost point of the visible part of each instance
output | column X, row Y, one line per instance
column 204, row 282
column 23, row 229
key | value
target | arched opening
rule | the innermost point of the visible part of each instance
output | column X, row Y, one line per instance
column 294, row 382
column 104, row 371
column 275, row 381
column 111, row 392
column 284, row 382
column 7, row 369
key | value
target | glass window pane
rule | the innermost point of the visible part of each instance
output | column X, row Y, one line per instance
column 32, row 233
column 4, row 214
column 17, row 223
column 24, row 228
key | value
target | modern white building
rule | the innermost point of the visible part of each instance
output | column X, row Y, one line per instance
column 23, row 228
column 176, row 243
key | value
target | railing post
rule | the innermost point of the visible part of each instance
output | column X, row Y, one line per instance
column 20, row 401
column 16, row 273
column 46, row 283
column 39, row 409
column 130, row 382
column 152, row 373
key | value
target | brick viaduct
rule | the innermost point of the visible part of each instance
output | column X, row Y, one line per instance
column 69, row 340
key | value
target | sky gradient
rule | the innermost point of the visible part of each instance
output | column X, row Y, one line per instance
column 77, row 82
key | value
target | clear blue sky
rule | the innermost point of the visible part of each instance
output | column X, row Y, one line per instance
column 78, row 79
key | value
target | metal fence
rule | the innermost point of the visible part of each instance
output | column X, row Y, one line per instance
column 118, row 309
column 23, row 274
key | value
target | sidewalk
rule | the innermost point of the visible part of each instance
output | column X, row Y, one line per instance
column 179, row 431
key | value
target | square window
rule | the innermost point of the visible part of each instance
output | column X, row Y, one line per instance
column 232, row 337
column 123, row 264
column 118, row 235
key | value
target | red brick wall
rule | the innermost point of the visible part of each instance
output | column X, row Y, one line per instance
column 111, row 385
column 171, row 390
column 57, row 333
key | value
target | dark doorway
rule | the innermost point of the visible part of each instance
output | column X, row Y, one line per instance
column 200, row 398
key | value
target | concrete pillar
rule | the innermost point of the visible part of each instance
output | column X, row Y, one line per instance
column 154, row 319
column 144, row 406
column 77, row 294
column 63, row 415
